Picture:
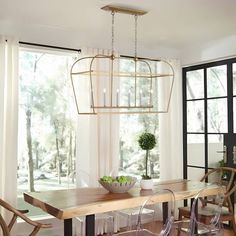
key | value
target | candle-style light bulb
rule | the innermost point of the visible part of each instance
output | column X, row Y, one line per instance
column 117, row 97
column 140, row 97
column 129, row 97
column 104, row 97
column 91, row 98
column 151, row 94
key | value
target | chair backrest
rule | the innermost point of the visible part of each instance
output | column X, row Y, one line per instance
column 170, row 198
column 218, row 201
column 4, row 229
column 223, row 176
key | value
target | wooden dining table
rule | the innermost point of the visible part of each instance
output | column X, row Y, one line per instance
column 70, row 203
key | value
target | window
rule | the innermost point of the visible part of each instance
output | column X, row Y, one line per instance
column 131, row 155
column 46, row 150
column 131, row 126
column 208, row 98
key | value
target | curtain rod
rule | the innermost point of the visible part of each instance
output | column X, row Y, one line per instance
column 50, row 46
column 141, row 58
column 75, row 49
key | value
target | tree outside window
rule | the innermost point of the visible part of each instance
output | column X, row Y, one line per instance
column 47, row 131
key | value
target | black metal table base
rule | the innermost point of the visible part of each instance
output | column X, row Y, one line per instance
column 68, row 227
column 89, row 226
column 164, row 212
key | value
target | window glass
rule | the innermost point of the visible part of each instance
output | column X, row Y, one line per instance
column 234, row 79
column 195, row 84
column 46, row 154
column 195, row 173
column 195, row 116
column 215, row 150
column 217, row 81
column 132, row 157
column 234, row 114
column 196, row 149
column 217, row 115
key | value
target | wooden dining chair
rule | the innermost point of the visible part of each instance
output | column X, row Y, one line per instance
column 224, row 176
column 192, row 226
column 6, row 228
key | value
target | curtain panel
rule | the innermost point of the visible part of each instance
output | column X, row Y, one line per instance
column 98, row 135
column 171, row 131
column 8, row 118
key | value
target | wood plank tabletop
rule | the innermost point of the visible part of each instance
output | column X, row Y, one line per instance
column 66, row 204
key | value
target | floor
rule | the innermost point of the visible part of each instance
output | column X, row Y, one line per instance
column 227, row 232
column 50, row 232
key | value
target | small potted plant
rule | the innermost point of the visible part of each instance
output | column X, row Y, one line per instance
column 223, row 174
column 147, row 142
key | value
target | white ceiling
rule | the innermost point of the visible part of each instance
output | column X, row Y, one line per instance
column 169, row 24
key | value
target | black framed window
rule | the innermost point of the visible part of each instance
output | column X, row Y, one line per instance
column 209, row 112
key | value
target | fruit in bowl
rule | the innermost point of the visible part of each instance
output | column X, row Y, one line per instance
column 118, row 184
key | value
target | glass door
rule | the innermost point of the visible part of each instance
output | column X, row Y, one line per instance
column 209, row 117
column 229, row 150
column 230, row 137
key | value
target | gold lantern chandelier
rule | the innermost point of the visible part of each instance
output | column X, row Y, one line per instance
column 115, row 84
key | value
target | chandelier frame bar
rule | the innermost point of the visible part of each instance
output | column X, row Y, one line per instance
column 110, row 105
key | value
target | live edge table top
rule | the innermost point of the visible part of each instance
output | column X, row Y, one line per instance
column 66, row 204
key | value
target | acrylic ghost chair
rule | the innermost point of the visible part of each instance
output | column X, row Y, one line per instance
column 104, row 223
column 223, row 176
column 193, row 226
column 6, row 228
column 128, row 215
column 147, row 228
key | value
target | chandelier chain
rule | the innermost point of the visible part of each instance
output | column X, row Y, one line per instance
column 112, row 31
column 135, row 34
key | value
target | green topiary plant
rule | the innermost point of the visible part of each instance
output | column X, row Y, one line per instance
column 147, row 141
column 221, row 163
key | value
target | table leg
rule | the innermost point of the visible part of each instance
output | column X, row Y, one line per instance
column 90, row 225
column 164, row 211
column 68, row 227
column 196, row 214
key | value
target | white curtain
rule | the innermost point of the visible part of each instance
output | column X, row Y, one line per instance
column 98, row 135
column 8, row 118
column 171, row 144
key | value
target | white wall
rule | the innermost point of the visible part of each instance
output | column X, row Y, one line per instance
column 70, row 38
column 215, row 50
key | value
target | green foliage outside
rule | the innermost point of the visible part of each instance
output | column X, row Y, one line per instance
column 47, row 142
column 131, row 157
